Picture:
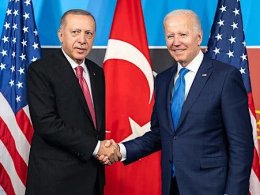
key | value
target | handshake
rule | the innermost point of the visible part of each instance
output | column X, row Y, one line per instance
column 109, row 152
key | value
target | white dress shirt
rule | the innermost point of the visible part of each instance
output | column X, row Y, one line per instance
column 193, row 68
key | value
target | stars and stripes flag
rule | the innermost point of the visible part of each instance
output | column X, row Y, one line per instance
column 19, row 46
column 227, row 44
column 129, row 100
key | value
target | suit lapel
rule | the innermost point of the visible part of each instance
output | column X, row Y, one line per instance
column 72, row 82
column 199, row 82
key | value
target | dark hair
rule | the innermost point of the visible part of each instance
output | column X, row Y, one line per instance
column 75, row 12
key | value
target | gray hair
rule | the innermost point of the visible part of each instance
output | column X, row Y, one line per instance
column 187, row 12
column 75, row 12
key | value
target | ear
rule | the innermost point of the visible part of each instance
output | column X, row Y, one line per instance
column 60, row 35
column 199, row 38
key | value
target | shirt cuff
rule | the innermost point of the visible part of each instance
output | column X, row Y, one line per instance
column 122, row 151
column 96, row 149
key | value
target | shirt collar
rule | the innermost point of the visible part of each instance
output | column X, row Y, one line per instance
column 73, row 63
column 194, row 65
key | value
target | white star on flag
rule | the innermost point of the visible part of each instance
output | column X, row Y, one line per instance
column 137, row 130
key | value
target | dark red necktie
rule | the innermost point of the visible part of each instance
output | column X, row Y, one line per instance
column 86, row 92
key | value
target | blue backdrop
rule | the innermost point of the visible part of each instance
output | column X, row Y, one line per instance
column 48, row 13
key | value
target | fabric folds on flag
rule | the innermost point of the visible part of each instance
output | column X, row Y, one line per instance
column 227, row 44
column 129, row 100
column 19, row 47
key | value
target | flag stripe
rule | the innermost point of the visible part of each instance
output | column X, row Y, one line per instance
column 8, row 141
column 251, row 104
column 25, row 124
column 255, row 166
column 7, row 162
column 26, row 111
column 22, row 145
column 254, row 187
column 5, row 183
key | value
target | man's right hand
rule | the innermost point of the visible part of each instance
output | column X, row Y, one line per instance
column 109, row 152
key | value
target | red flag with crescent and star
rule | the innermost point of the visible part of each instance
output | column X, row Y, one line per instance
column 129, row 100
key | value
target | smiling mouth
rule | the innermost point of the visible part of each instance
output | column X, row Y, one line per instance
column 178, row 50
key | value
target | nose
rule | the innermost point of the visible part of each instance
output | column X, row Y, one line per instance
column 176, row 41
column 82, row 38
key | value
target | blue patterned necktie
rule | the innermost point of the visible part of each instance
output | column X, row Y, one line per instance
column 177, row 102
column 178, row 96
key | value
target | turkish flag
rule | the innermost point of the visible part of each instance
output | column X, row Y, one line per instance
column 129, row 100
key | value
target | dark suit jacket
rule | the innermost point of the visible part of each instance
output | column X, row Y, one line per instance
column 212, row 147
column 61, row 161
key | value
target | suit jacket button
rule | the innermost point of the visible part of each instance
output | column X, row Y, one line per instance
column 174, row 137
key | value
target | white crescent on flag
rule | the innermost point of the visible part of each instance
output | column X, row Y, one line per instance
column 125, row 51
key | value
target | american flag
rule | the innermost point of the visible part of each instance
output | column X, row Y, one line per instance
column 227, row 44
column 19, row 46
